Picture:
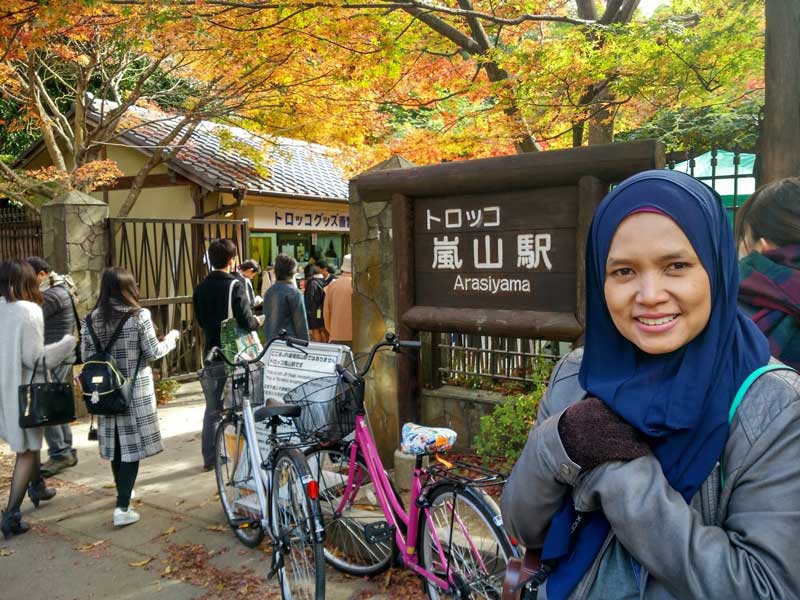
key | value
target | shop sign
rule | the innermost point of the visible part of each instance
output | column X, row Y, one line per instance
column 298, row 217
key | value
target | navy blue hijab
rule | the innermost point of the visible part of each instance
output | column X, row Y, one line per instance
column 679, row 400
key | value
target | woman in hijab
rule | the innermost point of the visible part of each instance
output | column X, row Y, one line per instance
column 634, row 483
column 768, row 233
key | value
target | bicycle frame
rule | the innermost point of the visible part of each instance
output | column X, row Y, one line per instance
column 263, row 488
column 391, row 507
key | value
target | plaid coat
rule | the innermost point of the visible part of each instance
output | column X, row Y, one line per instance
column 139, row 433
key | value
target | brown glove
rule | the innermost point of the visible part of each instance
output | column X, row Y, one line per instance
column 592, row 434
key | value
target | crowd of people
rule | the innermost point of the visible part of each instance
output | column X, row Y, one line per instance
column 39, row 317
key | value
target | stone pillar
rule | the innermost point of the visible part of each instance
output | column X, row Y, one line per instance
column 75, row 242
column 374, row 311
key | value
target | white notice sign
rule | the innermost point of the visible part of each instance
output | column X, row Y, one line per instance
column 287, row 367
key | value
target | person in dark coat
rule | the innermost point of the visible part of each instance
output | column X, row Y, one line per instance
column 315, row 299
column 59, row 320
column 211, row 308
column 246, row 272
column 283, row 304
column 768, row 232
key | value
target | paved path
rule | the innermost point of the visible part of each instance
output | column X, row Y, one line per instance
column 182, row 548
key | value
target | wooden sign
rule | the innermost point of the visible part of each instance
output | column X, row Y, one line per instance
column 496, row 246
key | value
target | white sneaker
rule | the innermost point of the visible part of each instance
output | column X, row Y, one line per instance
column 125, row 517
column 133, row 494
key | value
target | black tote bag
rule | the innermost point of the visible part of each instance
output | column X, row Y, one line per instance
column 47, row 403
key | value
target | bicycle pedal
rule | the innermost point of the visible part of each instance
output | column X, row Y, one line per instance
column 377, row 533
column 244, row 523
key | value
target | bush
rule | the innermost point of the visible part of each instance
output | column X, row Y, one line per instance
column 165, row 390
column 504, row 432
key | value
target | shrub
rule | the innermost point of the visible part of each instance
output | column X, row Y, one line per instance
column 503, row 433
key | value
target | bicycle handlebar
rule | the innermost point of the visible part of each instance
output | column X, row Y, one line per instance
column 216, row 352
column 389, row 341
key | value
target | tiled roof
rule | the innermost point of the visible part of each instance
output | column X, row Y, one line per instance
column 290, row 168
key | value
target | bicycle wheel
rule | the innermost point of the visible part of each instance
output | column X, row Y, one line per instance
column 236, row 484
column 346, row 546
column 475, row 549
column 296, row 520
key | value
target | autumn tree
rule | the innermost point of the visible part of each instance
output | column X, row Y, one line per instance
column 75, row 69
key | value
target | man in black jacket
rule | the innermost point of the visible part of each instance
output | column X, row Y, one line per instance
column 211, row 309
column 59, row 320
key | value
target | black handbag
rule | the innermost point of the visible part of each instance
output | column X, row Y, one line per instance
column 47, row 403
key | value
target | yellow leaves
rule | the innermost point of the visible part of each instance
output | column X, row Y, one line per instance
column 5, row 551
column 215, row 528
column 92, row 546
column 141, row 563
column 168, row 532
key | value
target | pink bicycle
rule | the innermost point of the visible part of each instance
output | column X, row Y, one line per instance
column 451, row 534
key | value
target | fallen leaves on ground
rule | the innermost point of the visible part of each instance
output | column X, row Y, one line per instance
column 401, row 582
column 168, row 532
column 141, row 563
column 5, row 551
column 216, row 528
column 84, row 547
column 191, row 563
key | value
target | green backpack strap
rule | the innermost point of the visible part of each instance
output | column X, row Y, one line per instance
column 741, row 394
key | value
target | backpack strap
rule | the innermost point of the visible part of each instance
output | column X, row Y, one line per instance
column 743, row 389
column 114, row 336
column 117, row 331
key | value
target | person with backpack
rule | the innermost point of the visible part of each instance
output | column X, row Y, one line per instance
column 118, row 340
column 22, row 354
column 60, row 318
column 663, row 460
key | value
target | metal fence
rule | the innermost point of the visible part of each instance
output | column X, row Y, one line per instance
column 168, row 259
column 480, row 361
column 20, row 232
column 731, row 173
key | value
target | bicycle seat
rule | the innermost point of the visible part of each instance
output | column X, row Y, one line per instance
column 277, row 410
column 418, row 439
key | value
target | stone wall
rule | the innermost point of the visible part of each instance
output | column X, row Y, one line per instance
column 374, row 308
column 458, row 408
column 74, row 241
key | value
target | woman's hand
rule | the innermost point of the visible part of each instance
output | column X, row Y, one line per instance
column 592, row 435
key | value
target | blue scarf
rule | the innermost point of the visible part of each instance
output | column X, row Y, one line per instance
column 679, row 400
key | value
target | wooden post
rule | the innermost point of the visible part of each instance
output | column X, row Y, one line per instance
column 591, row 192
column 403, row 236
column 781, row 132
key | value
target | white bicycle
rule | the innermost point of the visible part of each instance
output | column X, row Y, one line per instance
column 275, row 492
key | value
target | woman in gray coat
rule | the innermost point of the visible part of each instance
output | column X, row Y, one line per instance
column 127, row 438
column 21, row 352
column 663, row 462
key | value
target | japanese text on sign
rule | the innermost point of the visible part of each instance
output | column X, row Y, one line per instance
column 532, row 250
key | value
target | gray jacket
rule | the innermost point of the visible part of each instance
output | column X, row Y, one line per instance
column 731, row 542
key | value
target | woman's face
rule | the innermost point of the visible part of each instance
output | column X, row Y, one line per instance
column 656, row 288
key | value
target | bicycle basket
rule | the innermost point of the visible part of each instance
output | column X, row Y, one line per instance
column 328, row 409
column 218, row 382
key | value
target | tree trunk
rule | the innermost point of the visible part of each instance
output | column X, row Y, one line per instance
column 781, row 133
column 601, row 124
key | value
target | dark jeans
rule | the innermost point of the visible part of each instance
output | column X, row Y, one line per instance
column 59, row 437
column 212, row 380
column 124, row 474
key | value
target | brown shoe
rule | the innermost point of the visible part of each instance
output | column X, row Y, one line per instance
column 56, row 465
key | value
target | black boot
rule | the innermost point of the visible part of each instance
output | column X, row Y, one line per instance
column 39, row 491
column 11, row 524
